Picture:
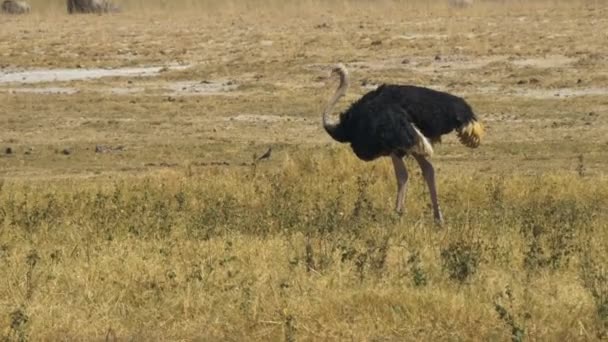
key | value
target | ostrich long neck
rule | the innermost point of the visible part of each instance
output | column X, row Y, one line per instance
column 329, row 125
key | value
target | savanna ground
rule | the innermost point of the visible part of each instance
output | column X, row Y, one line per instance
column 167, row 232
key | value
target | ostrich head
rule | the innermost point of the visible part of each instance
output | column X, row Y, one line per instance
column 340, row 70
column 334, row 129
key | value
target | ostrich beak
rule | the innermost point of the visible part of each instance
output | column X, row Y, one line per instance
column 329, row 74
column 329, row 71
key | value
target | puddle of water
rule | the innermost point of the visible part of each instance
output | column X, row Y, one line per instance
column 173, row 88
column 45, row 90
column 58, row 75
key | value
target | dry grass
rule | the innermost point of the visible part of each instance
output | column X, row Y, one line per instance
column 155, row 242
column 233, row 255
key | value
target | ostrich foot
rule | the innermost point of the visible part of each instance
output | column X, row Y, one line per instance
column 438, row 218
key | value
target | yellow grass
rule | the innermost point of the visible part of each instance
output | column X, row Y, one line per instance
column 177, row 236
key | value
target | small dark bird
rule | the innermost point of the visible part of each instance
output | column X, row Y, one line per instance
column 266, row 155
column 401, row 120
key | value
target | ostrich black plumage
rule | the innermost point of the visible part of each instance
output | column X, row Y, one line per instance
column 401, row 120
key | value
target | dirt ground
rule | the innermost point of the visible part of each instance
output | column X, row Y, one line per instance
column 200, row 87
column 129, row 207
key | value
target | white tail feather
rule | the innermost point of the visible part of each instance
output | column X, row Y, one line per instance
column 423, row 146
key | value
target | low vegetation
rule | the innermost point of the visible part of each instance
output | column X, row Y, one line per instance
column 305, row 250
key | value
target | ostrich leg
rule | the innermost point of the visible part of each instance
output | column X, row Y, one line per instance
column 401, row 174
column 429, row 175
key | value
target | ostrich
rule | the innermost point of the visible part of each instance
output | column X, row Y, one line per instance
column 401, row 120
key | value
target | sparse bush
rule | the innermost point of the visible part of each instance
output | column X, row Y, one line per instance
column 215, row 217
column 363, row 208
column 310, row 259
column 595, row 279
column 360, row 262
column 19, row 325
column 550, row 229
column 329, row 217
column 290, row 328
column 180, row 197
column 461, row 260
column 377, row 249
column 517, row 334
column 580, row 166
column 419, row 278
column 31, row 260
column 496, row 189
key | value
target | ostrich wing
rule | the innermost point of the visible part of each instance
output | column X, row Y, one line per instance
column 434, row 112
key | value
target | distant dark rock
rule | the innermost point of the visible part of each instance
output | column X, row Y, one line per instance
column 108, row 149
column 91, row 6
column 15, row 7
